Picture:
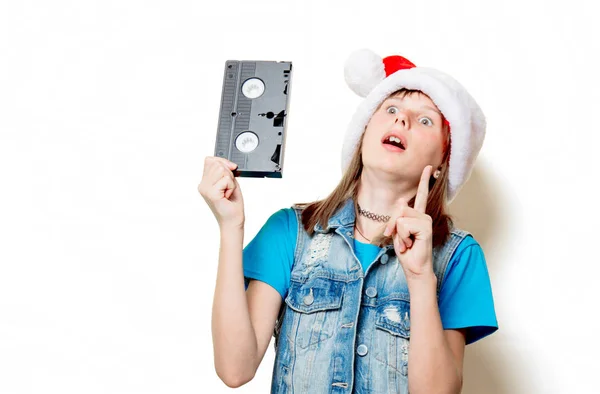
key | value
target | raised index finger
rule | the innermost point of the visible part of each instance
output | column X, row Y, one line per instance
column 423, row 190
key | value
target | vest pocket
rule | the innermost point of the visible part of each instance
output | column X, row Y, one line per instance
column 393, row 316
column 316, row 307
column 392, row 336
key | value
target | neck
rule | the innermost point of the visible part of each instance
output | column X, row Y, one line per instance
column 380, row 193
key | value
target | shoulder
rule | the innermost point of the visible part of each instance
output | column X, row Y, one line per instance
column 467, row 257
column 279, row 225
column 283, row 219
column 465, row 241
column 283, row 223
column 459, row 240
column 467, row 248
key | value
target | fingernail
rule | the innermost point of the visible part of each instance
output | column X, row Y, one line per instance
column 386, row 232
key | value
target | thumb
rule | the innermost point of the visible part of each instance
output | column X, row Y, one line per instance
column 232, row 166
column 391, row 225
column 389, row 228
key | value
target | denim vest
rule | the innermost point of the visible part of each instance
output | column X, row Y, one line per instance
column 339, row 330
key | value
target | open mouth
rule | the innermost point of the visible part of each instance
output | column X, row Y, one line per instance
column 394, row 141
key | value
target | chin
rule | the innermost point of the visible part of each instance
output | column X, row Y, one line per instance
column 382, row 166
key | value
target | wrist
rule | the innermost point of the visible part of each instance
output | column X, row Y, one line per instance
column 231, row 233
column 422, row 282
column 227, row 227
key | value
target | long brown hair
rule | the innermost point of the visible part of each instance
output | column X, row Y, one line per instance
column 321, row 211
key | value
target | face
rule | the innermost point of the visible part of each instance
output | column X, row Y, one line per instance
column 417, row 123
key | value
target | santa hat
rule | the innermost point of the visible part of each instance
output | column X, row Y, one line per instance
column 374, row 78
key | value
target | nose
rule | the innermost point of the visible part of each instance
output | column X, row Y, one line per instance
column 402, row 119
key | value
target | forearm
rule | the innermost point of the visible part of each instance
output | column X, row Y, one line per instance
column 234, row 339
column 431, row 365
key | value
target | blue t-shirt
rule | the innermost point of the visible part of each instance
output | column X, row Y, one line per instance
column 465, row 300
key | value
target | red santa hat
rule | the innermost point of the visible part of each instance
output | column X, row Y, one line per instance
column 374, row 78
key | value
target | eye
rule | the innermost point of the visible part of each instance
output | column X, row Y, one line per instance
column 426, row 121
column 392, row 110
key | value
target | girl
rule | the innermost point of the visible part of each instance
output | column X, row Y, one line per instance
column 373, row 289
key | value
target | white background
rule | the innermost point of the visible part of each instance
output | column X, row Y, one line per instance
column 108, row 253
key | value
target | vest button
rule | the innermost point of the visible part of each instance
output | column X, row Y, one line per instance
column 362, row 350
column 384, row 259
column 371, row 292
column 309, row 299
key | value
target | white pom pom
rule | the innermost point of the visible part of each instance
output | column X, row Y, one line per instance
column 364, row 69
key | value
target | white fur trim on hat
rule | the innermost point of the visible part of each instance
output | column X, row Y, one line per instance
column 467, row 121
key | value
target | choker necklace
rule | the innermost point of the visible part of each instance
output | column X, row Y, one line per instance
column 371, row 215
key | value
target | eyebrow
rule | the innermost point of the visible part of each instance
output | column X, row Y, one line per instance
column 423, row 106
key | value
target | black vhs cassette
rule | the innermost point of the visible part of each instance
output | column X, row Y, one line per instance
column 253, row 116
